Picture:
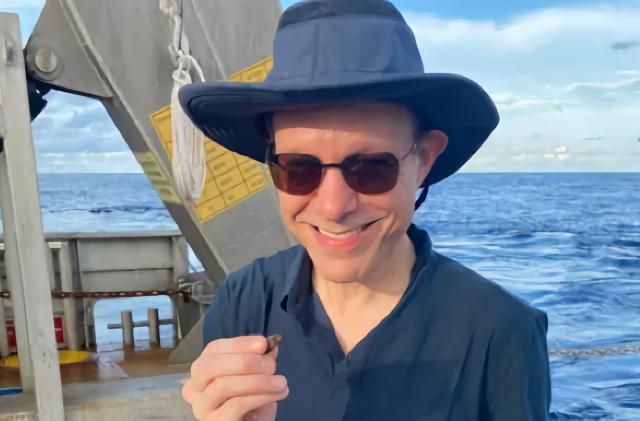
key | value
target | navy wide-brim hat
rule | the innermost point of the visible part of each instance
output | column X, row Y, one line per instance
column 328, row 51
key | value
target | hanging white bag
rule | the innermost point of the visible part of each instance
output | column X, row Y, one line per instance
column 188, row 158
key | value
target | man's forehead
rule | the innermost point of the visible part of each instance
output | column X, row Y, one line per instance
column 338, row 108
column 355, row 114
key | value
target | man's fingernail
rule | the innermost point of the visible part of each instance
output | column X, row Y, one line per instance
column 279, row 382
column 257, row 345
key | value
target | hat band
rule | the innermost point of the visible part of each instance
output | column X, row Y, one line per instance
column 338, row 49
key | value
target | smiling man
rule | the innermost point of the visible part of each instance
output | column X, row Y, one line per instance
column 376, row 324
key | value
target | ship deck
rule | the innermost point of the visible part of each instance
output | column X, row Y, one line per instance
column 116, row 384
column 109, row 365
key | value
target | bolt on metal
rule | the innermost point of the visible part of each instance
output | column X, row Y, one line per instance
column 46, row 60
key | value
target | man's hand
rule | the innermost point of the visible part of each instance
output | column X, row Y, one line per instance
column 233, row 380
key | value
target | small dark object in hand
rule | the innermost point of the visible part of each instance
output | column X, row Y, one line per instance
column 273, row 341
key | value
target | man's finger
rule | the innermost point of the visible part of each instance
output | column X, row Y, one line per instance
column 207, row 368
column 238, row 345
column 226, row 388
column 237, row 408
column 187, row 392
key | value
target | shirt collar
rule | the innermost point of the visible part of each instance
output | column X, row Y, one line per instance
column 297, row 283
column 298, row 289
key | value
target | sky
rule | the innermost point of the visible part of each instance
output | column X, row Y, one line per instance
column 565, row 76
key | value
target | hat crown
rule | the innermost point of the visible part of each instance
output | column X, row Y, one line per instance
column 336, row 50
column 318, row 9
column 322, row 41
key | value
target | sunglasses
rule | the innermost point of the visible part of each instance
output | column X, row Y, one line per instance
column 300, row 174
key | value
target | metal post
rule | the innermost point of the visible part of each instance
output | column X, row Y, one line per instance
column 69, row 304
column 25, row 254
column 180, row 260
column 154, row 327
column 126, row 319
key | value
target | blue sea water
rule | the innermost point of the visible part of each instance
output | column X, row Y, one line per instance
column 569, row 244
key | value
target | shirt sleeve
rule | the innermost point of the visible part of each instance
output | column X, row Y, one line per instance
column 518, row 385
column 215, row 325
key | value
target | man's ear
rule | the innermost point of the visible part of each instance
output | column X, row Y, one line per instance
column 430, row 146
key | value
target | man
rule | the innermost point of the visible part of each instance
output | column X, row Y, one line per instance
column 376, row 325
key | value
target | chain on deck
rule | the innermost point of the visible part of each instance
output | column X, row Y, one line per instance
column 186, row 292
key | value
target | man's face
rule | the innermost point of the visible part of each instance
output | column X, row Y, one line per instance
column 348, row 234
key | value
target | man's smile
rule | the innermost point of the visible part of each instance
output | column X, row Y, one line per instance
column 341, row 238
column 343, row 234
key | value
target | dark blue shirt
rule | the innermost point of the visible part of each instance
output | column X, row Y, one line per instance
column 456, row 347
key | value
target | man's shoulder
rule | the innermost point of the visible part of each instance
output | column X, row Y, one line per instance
column 240, row 304
column 482, row 299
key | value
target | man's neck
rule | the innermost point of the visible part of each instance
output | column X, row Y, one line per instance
column 383, row 286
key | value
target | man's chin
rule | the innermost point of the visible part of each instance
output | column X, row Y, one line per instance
column 340, row 269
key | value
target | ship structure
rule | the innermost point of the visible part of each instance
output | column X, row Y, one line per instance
column 123, row 54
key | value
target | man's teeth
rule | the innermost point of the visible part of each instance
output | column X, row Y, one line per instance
column 344, row 234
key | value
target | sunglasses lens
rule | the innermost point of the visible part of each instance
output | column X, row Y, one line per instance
column 296, row 174
column 371, row 173
column 300, row 174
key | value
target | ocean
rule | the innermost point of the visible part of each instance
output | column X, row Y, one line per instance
column 568, row 243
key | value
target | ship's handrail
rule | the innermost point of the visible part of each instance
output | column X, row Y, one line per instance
column 108, row 234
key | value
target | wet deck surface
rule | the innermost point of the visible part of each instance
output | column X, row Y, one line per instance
column 148, row 398
column 108, row 365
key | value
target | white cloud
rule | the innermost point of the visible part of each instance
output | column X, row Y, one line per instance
column 72, row 123
column 561, row 153
column 558, row 76
column 623, row 85
column 544, row 49
column 89, row 162
column 628, row 72
column 597, row 94
column 509, row 101
column 533, row 31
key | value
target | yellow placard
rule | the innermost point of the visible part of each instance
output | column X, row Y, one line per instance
column 255, row 73
column 230, row 177
column 222, row 164
column 157, row 177
column 256, row 183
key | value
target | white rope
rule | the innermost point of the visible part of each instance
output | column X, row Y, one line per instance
column 188, row 158
column 186, row 60
column 170, row 8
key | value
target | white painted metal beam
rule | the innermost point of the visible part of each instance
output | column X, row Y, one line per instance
column 26, row 253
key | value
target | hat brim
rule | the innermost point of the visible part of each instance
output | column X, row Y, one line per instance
column 232, row 113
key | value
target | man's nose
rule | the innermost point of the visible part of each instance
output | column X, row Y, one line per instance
column 334, row 198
